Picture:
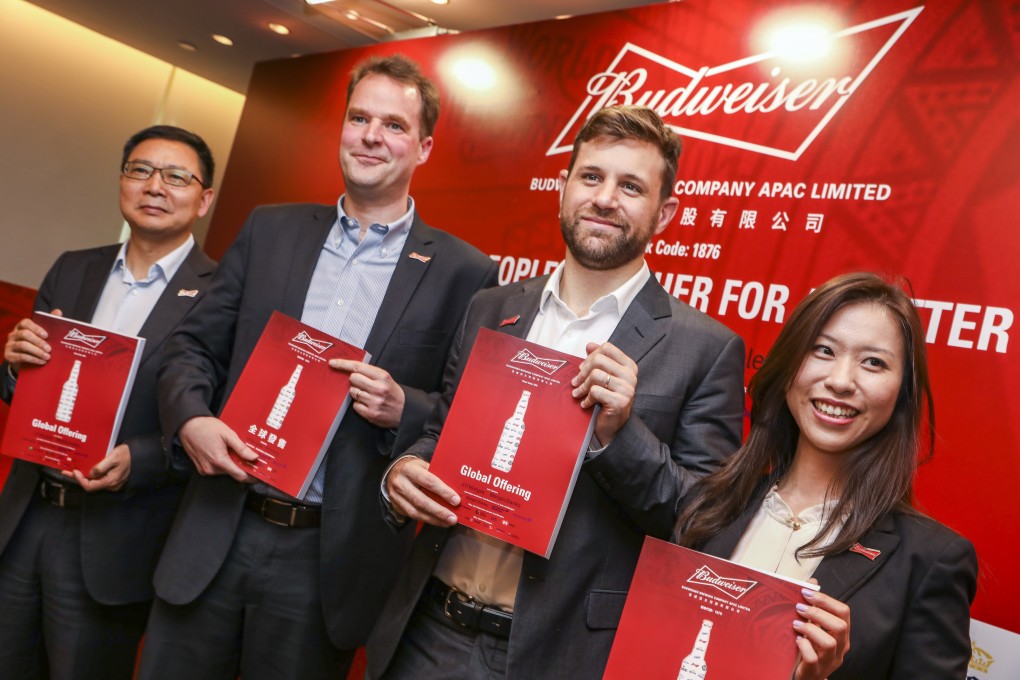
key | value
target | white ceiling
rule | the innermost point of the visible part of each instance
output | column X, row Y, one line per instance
column 156, row 27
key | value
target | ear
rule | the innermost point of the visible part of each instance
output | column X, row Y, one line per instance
column 562, row 183
column 207, row 199
column 426, row 149
column 666, row 213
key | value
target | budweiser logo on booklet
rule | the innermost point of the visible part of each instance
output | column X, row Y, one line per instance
column 317, row 346
column 766, row 103
column 734, row 588
column 547, row 366
column 76, row 336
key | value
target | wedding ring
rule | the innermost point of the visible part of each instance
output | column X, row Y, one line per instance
column 608, row 378
column 357, row 393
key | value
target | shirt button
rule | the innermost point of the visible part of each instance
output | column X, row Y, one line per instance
column 134, row 292
column 339, row 303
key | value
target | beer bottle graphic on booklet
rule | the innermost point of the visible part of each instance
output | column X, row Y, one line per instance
column 510, row 440
column 284, row 400
column 69, row 394
column 694, row 666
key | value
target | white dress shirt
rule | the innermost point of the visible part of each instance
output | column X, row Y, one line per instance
column 476, row 564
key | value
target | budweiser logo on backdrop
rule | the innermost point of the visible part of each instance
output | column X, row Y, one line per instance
column 317, row 346
column 733, row 588
column 760, row 103
column 76, row 336
column 548, row 366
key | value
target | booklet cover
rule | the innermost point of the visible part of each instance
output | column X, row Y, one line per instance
column 288, row 402
column 691, row 616
column 514, row 440
column 66, row 413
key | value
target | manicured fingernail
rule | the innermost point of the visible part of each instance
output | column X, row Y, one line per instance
column 455, row 499
column 808, row 593
column 801, row 607
column 798, row 624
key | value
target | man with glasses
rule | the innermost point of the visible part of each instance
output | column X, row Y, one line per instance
column 77, row 551
column 254, row 582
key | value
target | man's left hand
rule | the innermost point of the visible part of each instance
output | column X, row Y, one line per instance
column 109, row 474
column 608, row 377
column 375, row 395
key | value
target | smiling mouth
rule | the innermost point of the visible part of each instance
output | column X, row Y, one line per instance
column 835, row 411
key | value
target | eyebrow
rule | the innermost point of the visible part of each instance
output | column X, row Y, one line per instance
column 354, row 111
column 148, row 162
column 627, row 176
column 876, row 350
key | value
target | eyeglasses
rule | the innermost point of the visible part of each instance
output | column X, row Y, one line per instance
column 175, row 177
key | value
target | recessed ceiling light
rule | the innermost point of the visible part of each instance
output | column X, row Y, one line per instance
column 278, row 28
column 222, row 39
column 187, row 46
column 564, row 16
column 440, row 2
column 317, row 2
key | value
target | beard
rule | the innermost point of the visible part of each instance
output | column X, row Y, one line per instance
column 602, row 251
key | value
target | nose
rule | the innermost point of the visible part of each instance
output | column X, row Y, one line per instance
column 841, row 377
column 605, row 196
column 154, row 185
column 373, row 132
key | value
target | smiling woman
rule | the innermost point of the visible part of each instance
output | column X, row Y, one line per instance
column 823, row 488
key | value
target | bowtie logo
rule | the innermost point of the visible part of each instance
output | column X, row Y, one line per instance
column 510, row 321
column 417, row 256
column 870, row 553
column 76, row 336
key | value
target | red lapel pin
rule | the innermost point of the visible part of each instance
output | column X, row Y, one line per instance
column 870, row 553
column 510, row 321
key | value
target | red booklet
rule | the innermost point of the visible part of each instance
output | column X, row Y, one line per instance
column 67, row 412
column 288, row 402
column 691, row 616
column 514, row 440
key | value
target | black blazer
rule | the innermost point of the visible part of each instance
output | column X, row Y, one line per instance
column 909, row 607
column 122, row 532
column 686, row 420
column 269, row 267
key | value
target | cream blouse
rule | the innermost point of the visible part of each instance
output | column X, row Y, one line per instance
column 774, row 534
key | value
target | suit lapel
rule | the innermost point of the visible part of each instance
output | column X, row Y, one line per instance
column 304, row 258
column 842, row 575
column 192, row 275
column 416, row 257
column 519, row 311
column 97, row 272
column 644, row 323
column 723, row 543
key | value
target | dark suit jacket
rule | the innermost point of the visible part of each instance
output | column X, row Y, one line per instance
column 909, row 608
column 122, row 532
column 270, row 268
column 686, row 420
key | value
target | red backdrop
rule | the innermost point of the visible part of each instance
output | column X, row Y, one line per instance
column 894, row 152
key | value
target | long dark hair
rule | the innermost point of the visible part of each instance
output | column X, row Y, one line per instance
column 879, row 473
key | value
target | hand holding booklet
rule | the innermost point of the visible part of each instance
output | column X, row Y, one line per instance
column 288, row 402
column 514, row 440
column 692, row 616
column 67, row 412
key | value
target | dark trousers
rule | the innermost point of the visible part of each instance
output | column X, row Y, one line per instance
column 261, row 617
column 50, row 627
column 434, row 648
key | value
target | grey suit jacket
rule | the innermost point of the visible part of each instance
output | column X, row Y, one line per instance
column 122, row 532
column 687, row 418
column 909, row 607
column 269, row 267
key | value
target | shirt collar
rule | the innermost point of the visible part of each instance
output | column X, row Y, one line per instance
column 397, row 230
column 164, row 267
column 616, row 301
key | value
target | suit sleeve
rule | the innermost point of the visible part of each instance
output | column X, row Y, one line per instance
column 649, row 476
column 934, row 639
column 419, row 404
column 43, row 303
column 197, row 356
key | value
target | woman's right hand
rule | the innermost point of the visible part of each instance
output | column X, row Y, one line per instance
column 823, row 635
